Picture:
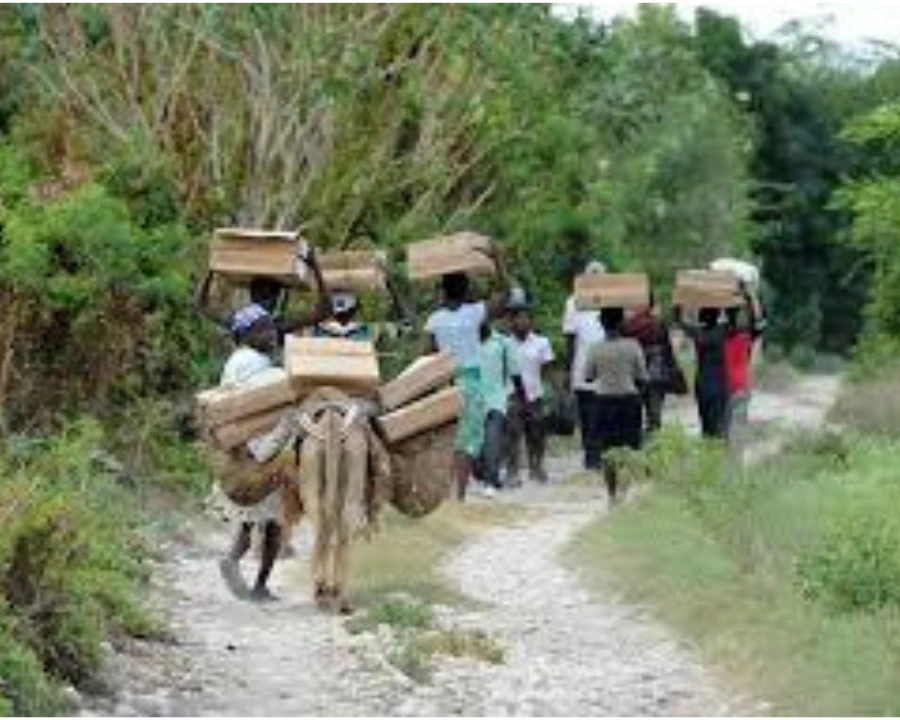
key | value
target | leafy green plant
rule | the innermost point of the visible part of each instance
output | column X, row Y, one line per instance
column 856, row 565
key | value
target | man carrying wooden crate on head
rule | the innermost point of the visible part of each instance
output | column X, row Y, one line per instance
column 271, row 295
column 456, row 326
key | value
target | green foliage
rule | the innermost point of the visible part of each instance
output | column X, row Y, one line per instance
column 71, row 563
column 753, row 569
column 856, row 565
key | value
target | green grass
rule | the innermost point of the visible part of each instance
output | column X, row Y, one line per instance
column 722, row 563
column 406, row 554
column 396, row 581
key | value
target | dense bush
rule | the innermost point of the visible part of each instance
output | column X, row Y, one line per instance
column 71, row 562
column 856, row 564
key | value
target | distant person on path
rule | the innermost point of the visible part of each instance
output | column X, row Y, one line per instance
column 619, row 372
column 534, row 356
column 743, row 332
column 500, row 379
column 455, row 326
column 711, row 382
column 582, row 329
column 652, row 333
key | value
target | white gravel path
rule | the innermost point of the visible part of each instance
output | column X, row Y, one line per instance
column 568, row 652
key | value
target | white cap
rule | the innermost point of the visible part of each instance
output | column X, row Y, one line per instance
column 342, row 301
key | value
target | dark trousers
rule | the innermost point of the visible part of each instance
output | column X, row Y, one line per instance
column 712, row 406
column 587, row 419
column 525, row 419
column 494, row 448
column 654, row 397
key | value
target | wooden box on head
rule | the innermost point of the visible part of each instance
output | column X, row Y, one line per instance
column 460, row 252
column 695, row 289
column 594, row 291
column 241, row 254
column 358, row 270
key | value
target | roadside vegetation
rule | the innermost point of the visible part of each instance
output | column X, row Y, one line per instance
column 786, row 577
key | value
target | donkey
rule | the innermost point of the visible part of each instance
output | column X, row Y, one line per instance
column 344, row 478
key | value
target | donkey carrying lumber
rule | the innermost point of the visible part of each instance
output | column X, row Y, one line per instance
column 344, row 480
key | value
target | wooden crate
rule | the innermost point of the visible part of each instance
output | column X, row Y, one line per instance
column 242, row 254
column 237, row 432
column 594, row 291
column 705, row 288
column 352, row 270
column 349, row 365
column 422, row 376
column 432, row 411
column 448, row 254
column 262, row 392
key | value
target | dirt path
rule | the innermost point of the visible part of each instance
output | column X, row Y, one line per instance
column 567, row 652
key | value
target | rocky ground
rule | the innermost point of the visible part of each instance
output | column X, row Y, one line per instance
column 567, row 651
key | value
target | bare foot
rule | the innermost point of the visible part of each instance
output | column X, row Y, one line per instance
column 262, row 595
column 231, row 574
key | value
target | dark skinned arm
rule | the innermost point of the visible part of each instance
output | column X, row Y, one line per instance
column 400, row 308
column 496, row 303
column 201, row 305
column 755, row 319
column 322, row 308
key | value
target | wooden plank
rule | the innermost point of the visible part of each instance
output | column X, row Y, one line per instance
column 594, row 291
column 371, row 278
column 705, row 288
column 432, row 411
column 352, row 270
column 300, row 345
column 349, row 365
column 241, row 254
column 264, row 391
column 448, row 254
column 237, row 432
column 422, row 376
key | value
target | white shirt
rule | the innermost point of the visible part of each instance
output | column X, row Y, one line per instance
column 585, row 326
column 532, row 354
column 244, row 363
column 459, row 331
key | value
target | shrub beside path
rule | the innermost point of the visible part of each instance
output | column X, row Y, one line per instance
column 567, row 651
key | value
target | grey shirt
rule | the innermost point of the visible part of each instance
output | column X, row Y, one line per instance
column 617, row 366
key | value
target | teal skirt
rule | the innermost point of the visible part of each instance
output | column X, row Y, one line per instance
column 470, row 431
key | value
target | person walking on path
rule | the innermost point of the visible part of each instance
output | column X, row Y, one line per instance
column 652, row 333
column 582, row 329
column 743, row 331
column 534, row 356
column 500, row 379
column 256, row 334
column 711, row 380
column 455, row 326
column 617, row 367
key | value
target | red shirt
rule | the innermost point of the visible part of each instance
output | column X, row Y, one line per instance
column 738, row 349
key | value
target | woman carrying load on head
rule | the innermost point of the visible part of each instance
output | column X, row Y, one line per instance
column 616, row 368
column 455, row 326
column 260, row 459
column 711, row 379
